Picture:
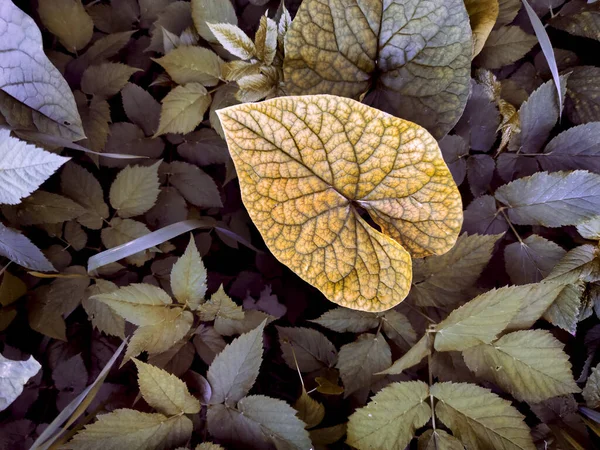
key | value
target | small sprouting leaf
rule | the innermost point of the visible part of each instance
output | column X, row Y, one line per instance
column 310, row 349
column 68, row 21
column 529, row 364
column 591, row 391
column 411, row 358
column 196, row 186
column 81, row 186
column 361, row 359
column 18, row 248
column 188, row 277
column 478, row 321
column 234, row 370
column 13, row 376
column 141, row 108
column 122, row 231
column 446, row 279
column 576, row 148
column 38, row 84
column 583, row 100
column 333, row 247
column 552, row 199
column 23, row 168
column 479, row 418
column 505, row 46
column 102, row 316
column 130, row 428
column 310, row 411
column 221, row 306
column 265, row 40
column 439, row 440
column 532, row 259
column 190, row 64
column 345, row 320
column 482, row 15
column 106, row 79
column 212, row 11
column 183, row 109
column 391, row 418
column 233, row 39
column 135, row 190
column 538, row 116
column 165, row 392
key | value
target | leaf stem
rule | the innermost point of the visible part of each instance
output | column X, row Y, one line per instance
column 512, row 227
column 297, row 366
column 430, row 332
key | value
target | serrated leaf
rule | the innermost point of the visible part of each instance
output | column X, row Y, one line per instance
column 578, row 264
column 23, row 168
column 479, row 418
column 208, row 343
column 538, row 116
column 439, row 440
column 106, row 79
column 321, row 57
column 176, row 17
column 102, row 49
column 138, row 303
column 455, row 149
column 482, row 216
column 141, row 108
column 576, row 148
column 390, row 419
column 38, row 84
column 162, row 335
column 231, row 327
column 165, row 392
column 220, row 305
column 233, row 372
column 398, row 328
column 212, row 11
column 196, row 186
column 333, row 247
column 13, row 376
column 564, row 311
column 233, row 39
column 122, row 231
column 529, row 364
column 135, row 190
column 102, row 316
column 183, row 109
column 411, row 358
column 308, row 348
column 478, row 321
column 482, row 15
column 504, row 46
column 348, row 320
column 95, row 115
column 266, row 40
column 81, row 186
column 192, row 64
column 582, row 104
column 480, row 171
column 446, row 280
column 591, row 391
column 361, row 359
column 532, row 259
column 310, row 411
column 583, row 20
column 45, row 208
column 327, row 435
column 552, row 199
column 508, row 11
column 68, row 21
column 126, row 427
column 188, row 277
column 590, row 229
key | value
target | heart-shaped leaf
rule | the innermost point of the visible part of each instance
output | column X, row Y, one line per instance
column 309, row 165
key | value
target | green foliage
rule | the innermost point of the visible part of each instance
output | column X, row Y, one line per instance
column 453, row 189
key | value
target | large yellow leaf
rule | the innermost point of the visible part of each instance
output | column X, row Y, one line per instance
column 411, row 58
column 482, row 15
column 308, row 165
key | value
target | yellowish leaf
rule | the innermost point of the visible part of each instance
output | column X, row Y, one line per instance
column 310, row 411
column 220, row 305
column 233, row 39
column 328, row 435
column 135, row 190
column 95, row 116
column 11, row 289
column 482, row 15
column 122, row 231
column 266, row 40
column 306, row 164
column 190, row 64
column 126, row 428
column 165, row 392
column 328, row 387
column 183, row 109
column 439, row 440
column 412, row 357
column 102, row 316
column 591, row 391
column 45, row 208
column 188, row 277
column 212, row 11
column 106, row 79
column 68, row 21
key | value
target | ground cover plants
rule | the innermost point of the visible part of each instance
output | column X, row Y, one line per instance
column 301, row 224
